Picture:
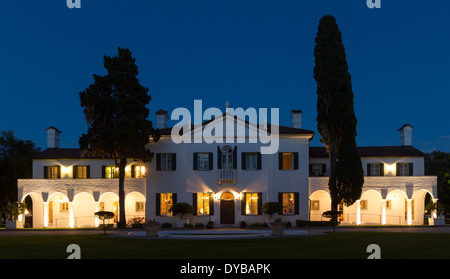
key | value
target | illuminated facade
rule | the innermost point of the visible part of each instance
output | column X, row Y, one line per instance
column 226, row 182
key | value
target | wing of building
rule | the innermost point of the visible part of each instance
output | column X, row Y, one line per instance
column 226, row 182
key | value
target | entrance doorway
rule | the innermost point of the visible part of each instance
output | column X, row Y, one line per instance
column 227, row 209
column 28, row 222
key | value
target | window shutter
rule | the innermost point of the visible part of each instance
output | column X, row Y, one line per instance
column 235, row 157
column 280, row 160
column 174, row 198
column 397, row 167
column 45, row 171
column 158, row 161
column 368, row 170
column 280, row 201
column 174, row 161
column 296, row 203
column 88, row 171
column 295, row 160
column 381, row 169
column 58, row 170
column 210, row 160
column 103, row 171
column 311, row 170
column 74, row 172
column 194, row 203
column 411, row 169
column 243, row 160
column 324, row 169
column 260, row 204
column 158, row 204
column 219, row 158
column 211, row 204
column 195, row 163
column 133, row 174
column 244, row 198
column 259, row 160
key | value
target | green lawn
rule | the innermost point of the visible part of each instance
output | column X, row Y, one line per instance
column 331, row 246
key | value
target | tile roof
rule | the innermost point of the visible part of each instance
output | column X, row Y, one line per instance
column 372, row 151
column 61, row 153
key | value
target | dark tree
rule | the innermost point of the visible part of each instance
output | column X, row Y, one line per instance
column 115, row 108
column 104, row 215
column 438, row 163
column 15, row 163
column 336, row 120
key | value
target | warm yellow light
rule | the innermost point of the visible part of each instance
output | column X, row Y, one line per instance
column 65, row 171
column 390, row 168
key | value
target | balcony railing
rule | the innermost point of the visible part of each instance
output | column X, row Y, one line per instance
column 227, row 176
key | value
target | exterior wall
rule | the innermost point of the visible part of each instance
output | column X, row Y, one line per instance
column 269, row 180
column 402, row 192
column 83, row 197
column 67, row 164
column 389, row 164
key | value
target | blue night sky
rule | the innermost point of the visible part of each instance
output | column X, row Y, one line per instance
column 252, row 53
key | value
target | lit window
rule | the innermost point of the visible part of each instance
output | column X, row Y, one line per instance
column 139, row 171
column 315, row 205
column 80, row 172
column 287, row 161
column 288, row 203
column 52, row 172
column 363, row 204
column 166, row 204
column 140, row 206
column 388, row 204
column 64, row 206
column 203, row 200
column 111, row 172
column 251, row 203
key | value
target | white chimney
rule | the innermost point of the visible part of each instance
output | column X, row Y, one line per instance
column 406, row 135
column 53, row 137
column 296, row 117
column 161, row 119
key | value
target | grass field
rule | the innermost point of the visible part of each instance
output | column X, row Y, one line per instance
column 351, row 245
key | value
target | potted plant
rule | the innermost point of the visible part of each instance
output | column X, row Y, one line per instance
column 436, row 209
column 13, row 210
column 277, row 227
column 271, row 208
column 181, row 209
column 151, row 227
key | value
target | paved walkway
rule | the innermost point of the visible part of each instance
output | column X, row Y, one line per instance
column 228, row 232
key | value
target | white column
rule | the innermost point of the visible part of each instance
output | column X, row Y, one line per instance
column 434, row 212
column 71, row 215
column 358, row 212
column 97, row 208
column 383, row 211
column 409, row 213
column 46, row 214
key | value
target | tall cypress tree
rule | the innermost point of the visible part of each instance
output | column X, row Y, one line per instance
column 336, row 120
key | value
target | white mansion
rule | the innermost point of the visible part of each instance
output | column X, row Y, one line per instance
column 226, row 183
